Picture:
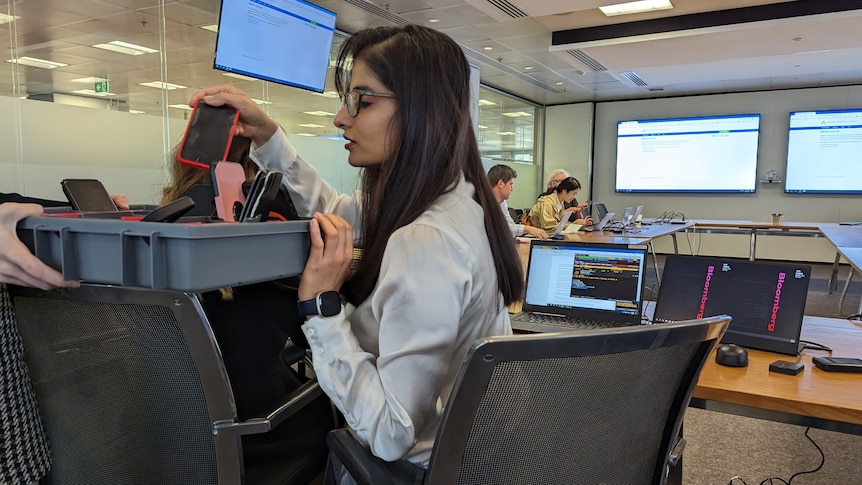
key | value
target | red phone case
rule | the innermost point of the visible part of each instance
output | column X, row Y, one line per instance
column 195, row 163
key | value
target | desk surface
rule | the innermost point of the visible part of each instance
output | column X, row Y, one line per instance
column 814, row 226
column 830, row 396
column 842, row 236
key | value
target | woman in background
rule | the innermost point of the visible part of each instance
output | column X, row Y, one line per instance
column 548, row 211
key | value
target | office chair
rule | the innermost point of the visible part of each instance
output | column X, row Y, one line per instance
column 133, row 389
column 602, row 406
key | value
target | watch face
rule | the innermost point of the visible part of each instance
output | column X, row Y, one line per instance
column 329, row 303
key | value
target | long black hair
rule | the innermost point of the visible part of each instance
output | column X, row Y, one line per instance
column 434, row 146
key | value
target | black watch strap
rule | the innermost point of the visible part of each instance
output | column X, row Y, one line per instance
column 327, row 304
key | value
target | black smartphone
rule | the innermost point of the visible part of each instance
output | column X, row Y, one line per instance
column 87, row 195
column 261, row 196
column 170, row 212
column 838, row 364
column 208, row 135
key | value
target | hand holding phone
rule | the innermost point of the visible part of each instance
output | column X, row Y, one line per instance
column 208, row 135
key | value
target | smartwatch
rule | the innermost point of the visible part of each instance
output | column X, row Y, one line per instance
column 327, row 304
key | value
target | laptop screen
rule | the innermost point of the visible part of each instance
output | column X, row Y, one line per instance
column 766, row 300
column 588, row 281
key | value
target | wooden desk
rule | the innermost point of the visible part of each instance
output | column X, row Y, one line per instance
column 842, row 237
column 827, row 400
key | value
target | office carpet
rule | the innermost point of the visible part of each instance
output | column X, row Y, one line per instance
column 722, row 446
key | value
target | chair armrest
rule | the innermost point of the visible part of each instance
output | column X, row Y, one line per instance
column 362, row 465
column 676, row 452
column 295, row 401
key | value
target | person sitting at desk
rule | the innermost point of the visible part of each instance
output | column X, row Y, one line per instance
column 502, row 179
column 438, row 265
column 548, row 210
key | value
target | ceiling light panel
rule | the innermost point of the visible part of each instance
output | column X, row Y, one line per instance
column 162, row 85
column 636, row 7
column 35, row 62
column 125, row 48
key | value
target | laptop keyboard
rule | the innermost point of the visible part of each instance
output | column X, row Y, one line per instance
column 569, row 322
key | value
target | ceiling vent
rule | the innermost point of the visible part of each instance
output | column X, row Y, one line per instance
column 470, row 53
column 509, row 9
column 385, row 14
column 586, row 60
column 633, row 78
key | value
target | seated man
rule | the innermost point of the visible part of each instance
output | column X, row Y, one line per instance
column 502, row 178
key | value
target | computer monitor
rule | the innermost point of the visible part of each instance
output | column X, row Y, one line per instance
column 766, row 300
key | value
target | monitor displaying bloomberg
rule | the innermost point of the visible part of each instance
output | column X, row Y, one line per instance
column 702, row 154
column 283, row 41
column 824, row 152
column 766, row 300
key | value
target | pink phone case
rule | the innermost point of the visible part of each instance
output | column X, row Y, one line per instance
column 228, row 178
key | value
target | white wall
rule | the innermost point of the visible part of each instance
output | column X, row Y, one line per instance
column 569, row 143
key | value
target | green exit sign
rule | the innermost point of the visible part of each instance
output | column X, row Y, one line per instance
column 101, row 87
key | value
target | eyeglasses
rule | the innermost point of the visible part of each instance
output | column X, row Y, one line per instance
column 353, row 99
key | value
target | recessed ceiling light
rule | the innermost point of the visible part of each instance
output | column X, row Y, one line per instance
column 90, row 92
column 311, row 125
column 260, row 101
column 125, row 48
column 332, row 137
column 559, row 83
column 528, row 68
column 136, row 112
column 488, row 48
column 181, row 106
column 34, row 62
column 162, row 85
column 636, row 7
column 328, row 94
column 485, row 102
column 319, row 113
column 211, row 28
column 5, row 19
column 505, row 133
column 304, row 134
column 433, row 21
column 238, row 76
column 89, row 80
column 483, row 127
column 517, row 114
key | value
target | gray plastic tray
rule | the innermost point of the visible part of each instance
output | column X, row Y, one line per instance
column 184, row 257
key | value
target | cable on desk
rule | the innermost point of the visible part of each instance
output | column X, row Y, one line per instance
column 814, row 346
column 736, row 478
column 856, row 317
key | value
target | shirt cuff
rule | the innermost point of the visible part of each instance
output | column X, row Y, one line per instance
column 329, row 337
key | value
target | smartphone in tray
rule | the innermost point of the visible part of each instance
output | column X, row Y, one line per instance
column 208, row 135
column 88, row 195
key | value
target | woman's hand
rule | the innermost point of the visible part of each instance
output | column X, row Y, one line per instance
column 586, row 221
column 253, row 122
column 328, row 264
column 17, row 265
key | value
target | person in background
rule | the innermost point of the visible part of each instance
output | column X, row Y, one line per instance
column 548, row 210
column 554, row 179
column 502, row 179
column 438, row 265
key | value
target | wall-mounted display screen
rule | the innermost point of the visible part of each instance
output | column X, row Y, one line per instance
column 703, row 154
column 283, row 41
column 824, row 152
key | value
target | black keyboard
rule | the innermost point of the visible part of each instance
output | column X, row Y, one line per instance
column 569, row 322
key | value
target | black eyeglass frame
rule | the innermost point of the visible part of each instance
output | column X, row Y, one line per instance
column 357, row 94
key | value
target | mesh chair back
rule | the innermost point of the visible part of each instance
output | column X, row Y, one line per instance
column 580, row 407
column 129, row 383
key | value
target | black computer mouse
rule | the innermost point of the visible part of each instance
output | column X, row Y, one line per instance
column 731, row 355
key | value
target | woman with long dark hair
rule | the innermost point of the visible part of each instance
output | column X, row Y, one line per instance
column 438, row 266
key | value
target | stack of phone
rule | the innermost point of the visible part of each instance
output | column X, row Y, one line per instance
column 261, row 196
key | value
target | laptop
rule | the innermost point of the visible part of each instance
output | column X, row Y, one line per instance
column 636, row 214
column 602, row 223
column 624, row 220
column 597, row 212
column 558, row 233
column 575, row 286
column 766, row 300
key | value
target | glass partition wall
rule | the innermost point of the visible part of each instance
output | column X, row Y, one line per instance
column 100, row 89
